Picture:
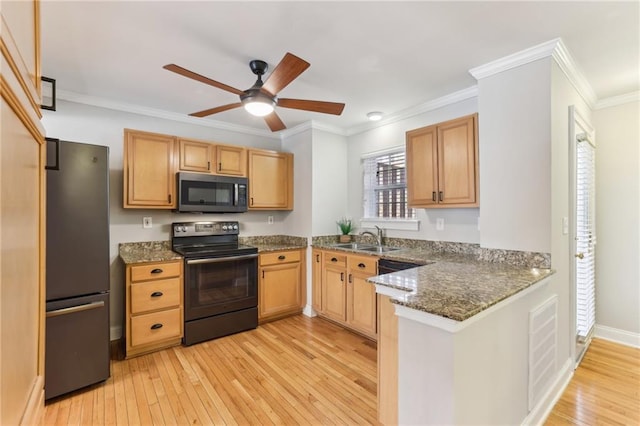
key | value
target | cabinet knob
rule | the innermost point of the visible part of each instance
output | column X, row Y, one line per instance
column 156, row 326
column 156, row 294
column 156, row 271
column 282, row 257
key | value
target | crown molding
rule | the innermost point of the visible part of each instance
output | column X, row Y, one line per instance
column 618, row 100
column 452, row 98
column 311, row 125
column 157, row 113
column 553, row 48
column 514, row 60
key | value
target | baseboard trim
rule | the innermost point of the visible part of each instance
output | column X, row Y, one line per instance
column 541, row 411
column 616, row 335
column 35, row 404
column 309, row 311
column 115, row 333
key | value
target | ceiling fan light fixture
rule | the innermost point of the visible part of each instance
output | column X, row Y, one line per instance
column 374, row 115
column 257, row 103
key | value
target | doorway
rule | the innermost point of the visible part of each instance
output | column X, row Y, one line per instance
column 583, row 231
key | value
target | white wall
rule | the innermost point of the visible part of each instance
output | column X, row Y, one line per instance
column 618, row 218
column 515, row 158
column 461, row 225
column 329, row 189
column 100, row 126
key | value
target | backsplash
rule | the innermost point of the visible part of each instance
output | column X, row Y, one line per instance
column 512, row 257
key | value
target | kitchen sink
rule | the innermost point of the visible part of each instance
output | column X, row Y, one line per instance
column 382, row 249
column 355, row 246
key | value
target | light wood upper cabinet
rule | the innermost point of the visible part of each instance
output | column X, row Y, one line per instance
column 442, row 164
column 281, row 284
column 230, row 160
column 149, row 180
column 194, row 156
column 270, row 180
column 205, row 157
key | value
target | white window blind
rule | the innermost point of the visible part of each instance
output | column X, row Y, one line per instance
column 585, row 237
column 385, row 186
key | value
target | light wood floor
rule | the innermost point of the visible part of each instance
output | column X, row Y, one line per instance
column 604, row 390
column 294, row 371
column 305, row 371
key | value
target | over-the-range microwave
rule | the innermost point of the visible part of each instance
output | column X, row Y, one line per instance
column 201, row 193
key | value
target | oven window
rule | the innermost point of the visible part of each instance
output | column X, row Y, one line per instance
column 220, row 287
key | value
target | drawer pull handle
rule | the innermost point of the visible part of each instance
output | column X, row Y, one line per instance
column 156, row 326
column 440, row 195
column 433, row 196
column 361, row 265
column 317, row 258
column 156, row 294
column 350, row 278
column 342, row 276
column 282, row 257
column 333, row 259
column 156, row 271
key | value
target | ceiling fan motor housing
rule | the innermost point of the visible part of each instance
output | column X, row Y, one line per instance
column 258, row 67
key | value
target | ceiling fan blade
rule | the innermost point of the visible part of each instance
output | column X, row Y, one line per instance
column 274, row 122
column 289, row 68
column 317, row 106
column 195, row 76
column 216, row 110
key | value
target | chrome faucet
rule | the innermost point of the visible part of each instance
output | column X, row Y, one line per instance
column 378, row 237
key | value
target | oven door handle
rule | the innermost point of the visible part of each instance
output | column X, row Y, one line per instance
column 221, row 259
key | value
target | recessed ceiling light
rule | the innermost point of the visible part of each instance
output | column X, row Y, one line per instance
column 374, row 116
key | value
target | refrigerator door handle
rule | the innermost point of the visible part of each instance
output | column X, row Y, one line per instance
column 74, row 309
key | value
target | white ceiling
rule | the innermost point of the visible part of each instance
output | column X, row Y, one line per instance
column 373, row 56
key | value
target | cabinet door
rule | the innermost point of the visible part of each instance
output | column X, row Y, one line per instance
column 422, row 167
column 457, row 161
column 270, row 180
column 316, row 302
column 150, row 173
column 387, row 362
column 194, row 156
column 230, row 160
column 279, row 290
column 361, row 303
column 334, row 293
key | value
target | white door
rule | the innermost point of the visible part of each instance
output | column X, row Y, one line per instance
column 583, row 246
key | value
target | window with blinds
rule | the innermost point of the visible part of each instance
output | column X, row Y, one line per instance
column 585, row 237
column 385, row 187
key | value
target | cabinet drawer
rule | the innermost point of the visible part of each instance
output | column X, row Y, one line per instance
column 155, row 271
column 150, row 328
column 280, row 257
column 332, row 258
column 365, row 264
column 154, row 295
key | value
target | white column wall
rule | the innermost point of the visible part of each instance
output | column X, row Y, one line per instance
column 515, row 158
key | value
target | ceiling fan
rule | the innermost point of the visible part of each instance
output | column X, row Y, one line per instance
column 261, row 98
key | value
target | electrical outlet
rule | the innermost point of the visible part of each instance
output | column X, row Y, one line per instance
column 440, row 224
column 270, row 220
column 147, row 222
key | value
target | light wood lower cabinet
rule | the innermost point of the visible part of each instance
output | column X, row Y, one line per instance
column 281, row 284
column 345, row 295
column 387, row 362
column 154, row 306
column 316, row 296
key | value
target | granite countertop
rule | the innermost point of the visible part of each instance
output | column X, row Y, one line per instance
column 274, row 243
column 454, row 285
column 151, row 251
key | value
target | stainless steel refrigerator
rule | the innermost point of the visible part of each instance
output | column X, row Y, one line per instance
column 77, row 266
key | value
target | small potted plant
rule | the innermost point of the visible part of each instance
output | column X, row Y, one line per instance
column 346, row 226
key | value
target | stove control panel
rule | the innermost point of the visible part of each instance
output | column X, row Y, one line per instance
column 197, row 229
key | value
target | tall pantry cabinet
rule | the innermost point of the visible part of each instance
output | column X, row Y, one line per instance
column 22, row 216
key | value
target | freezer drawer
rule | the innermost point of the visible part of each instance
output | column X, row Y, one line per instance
column 77, row 343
